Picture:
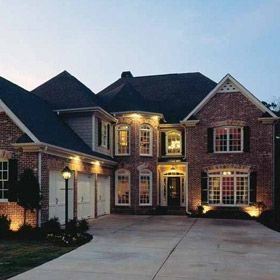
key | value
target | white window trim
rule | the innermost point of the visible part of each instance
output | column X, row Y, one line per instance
column 151, row 141
column 151, row 186
column 103, row 123
column 221, row 187
column 228, row 152
column 117, row 140
column 126, row 173
column 5, row 199
column 166, row 143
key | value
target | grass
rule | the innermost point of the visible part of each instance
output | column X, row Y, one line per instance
column 19, row 256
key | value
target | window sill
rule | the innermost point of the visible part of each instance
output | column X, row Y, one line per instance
column 227, row 205
column 122, row 204
column 230, row 152
column 142, row 155
column 4, row 200
column 143, row 205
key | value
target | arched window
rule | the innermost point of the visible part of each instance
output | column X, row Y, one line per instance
column 146, row 140
column 174, row 143
column 145, row 187
column 122, row 194
column 122, row 141
column 228, row 187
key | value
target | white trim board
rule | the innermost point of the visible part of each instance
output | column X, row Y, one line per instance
column 241, row 89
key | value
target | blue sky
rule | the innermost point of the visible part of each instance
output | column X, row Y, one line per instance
column 97, row 40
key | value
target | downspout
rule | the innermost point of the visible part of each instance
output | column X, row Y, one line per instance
column 273, row 166
column 40, row 184
column 187, row 175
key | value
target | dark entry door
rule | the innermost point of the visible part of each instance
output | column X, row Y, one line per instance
column 173, row 191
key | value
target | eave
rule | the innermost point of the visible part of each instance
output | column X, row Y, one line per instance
column 62, row 152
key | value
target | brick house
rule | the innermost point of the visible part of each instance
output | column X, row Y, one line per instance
column 163, row 143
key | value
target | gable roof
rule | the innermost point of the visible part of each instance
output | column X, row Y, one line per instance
column 64, row 91
column 37, row 120
column 229, row 84
column 173, row 95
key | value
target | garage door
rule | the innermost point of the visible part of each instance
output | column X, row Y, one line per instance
column 103, row 195
column 57, row 197
column 85, row 196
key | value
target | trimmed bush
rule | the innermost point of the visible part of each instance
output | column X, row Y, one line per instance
column 51, row 226
column 27, row 232
column 5, row 224
column 230, row 214
column 271, row 219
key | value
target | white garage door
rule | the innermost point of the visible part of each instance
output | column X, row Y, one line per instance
column 85, row 196
column 103, row 195
column 57, row 197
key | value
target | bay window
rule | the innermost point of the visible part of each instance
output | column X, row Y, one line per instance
column 146, row 141
column 122, row 143
column 145, row 187
column 228, row 187
column 122, row 183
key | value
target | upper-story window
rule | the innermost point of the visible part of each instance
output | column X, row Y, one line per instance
column 228, row 139
column 4, row 179
column 105, row 131
column 173, row 143
column 122, row 143
column 122, row 195
column 146, row 140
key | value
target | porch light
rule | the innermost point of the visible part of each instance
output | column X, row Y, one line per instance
column 173, row 169
column 66, row 173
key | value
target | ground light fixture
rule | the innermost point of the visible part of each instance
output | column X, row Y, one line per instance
column 66, row 174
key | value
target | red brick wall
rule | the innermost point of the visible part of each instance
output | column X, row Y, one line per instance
column 135, row 160
column 8, row 135
column 227, row 108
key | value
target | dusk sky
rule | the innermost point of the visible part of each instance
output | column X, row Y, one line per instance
column 96, row 40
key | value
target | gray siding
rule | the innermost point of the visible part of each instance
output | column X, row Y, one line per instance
column 82, row 125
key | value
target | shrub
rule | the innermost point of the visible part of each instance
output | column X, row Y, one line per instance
column 5, row 224
column 83, row 225
column 27, row 232
column 200, row 209
column 227, row 214
column 75, row 226
column 271, row 219
column 51, row 226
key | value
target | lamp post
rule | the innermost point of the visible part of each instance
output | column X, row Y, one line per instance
column 66, row 174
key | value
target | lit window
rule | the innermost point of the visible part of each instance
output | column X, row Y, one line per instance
column 122, row 187
column 122, row 140
column 145, row 187
column 228, row 139
column 104, row 134
column 228, row 187
column 173, row 140
column 146, row 135
column 4, row 179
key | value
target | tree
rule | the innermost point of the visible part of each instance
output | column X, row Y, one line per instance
column 28, row 192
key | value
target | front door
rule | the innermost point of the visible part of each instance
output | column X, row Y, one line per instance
column 173, row 191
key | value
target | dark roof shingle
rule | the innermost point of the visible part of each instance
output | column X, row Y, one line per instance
column 39, row 118
column 64, row 91
column 173, row 95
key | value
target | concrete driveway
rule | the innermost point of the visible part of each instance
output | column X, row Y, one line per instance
column 169, row 247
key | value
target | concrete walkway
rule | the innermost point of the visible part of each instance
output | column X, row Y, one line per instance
column 169, row 247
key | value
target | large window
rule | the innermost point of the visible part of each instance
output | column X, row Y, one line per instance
column 228, row 187
column 105, row 128
column 122, row 187
column 4, row 179
column 173, row 143
column 228, row 139
column 146, row 140
column 122, row 140
column 145, row 187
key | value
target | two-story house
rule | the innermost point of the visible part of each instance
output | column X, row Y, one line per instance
column 151, row 144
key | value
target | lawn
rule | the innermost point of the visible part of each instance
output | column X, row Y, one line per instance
column 19, row 256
